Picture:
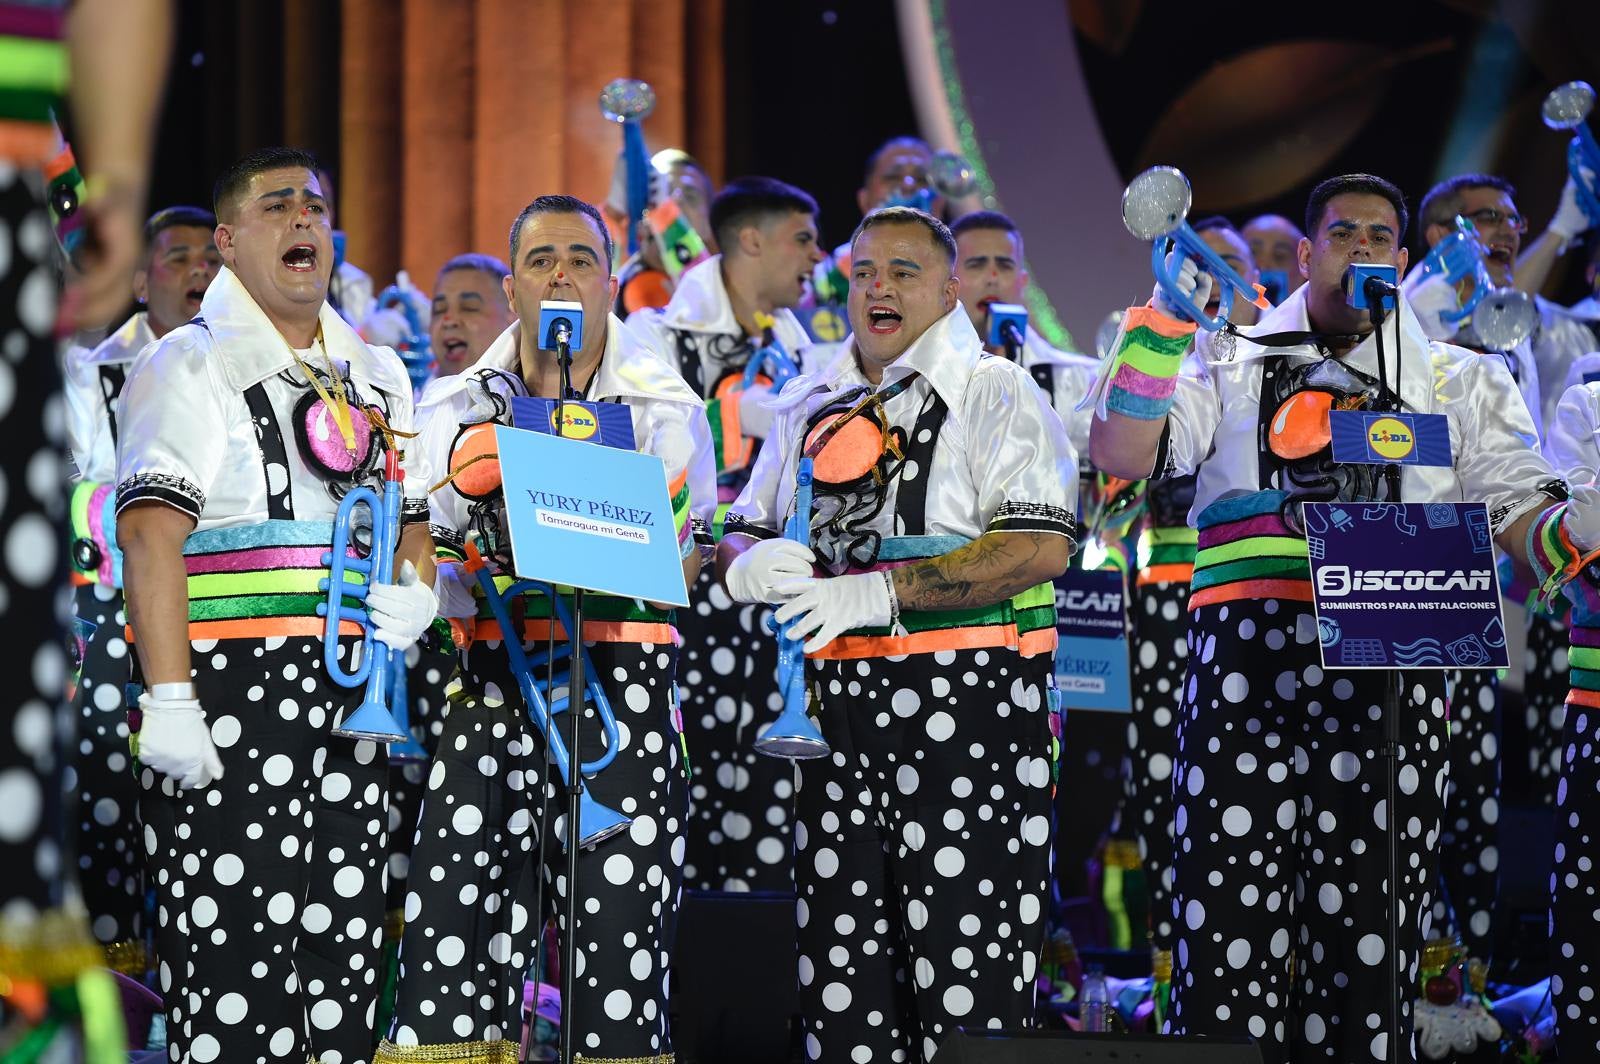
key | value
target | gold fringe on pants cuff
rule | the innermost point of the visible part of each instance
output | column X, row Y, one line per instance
column 501, row 1052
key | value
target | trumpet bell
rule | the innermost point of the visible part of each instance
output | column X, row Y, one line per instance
column 951, row 175
column 793, row 736
column 1566, row 106
column 1505, row 318
column 627, row 100
column 373, row 721
column 597, row 823
column 793, row 747
column 1156, row 202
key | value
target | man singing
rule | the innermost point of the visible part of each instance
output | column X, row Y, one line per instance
column 944, row 493
column 479, row 852
column 1280, row 773
column 264, row 832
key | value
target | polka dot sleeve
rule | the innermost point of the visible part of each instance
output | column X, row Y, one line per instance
column 174, row 415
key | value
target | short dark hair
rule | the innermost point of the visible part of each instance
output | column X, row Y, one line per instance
column 1443, row 201
column 1355, row 184
column 234, row 179
column 984, row 220
column 908, row 216
column 1216, row 222
column 560, row 205
column 886, row 147
column 172, row 217
column 474, row 260
column 754, row 201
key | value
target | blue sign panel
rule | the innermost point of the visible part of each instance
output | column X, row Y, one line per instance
column 1405, row 585
column 1092, row 653
column 592, row 517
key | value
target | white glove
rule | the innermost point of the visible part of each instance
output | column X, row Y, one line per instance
column 1429, row 297
column 1193, row 282
column 1582, row 519
column 452, row 587
column 755, row 418
column 754, row 576
column 825, row 609
column 402, row 611
column 1570, row 218
column 174, row 739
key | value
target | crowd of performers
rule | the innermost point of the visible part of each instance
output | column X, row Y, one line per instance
column 316, row 900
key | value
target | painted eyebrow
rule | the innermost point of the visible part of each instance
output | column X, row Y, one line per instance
column 570, row 247
column 285, row 193
column 907, row 263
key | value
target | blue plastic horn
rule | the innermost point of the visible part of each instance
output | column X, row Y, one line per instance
column 793, row 735
column 372, row 719
column 596, row 822
column 1155, row 207
column 1455, row 258
column 1567, row 107
column 408, row 749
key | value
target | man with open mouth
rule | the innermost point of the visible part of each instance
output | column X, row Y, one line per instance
column 1280, row 776
column 726, row 313
column 470, row 310
column 180, row 261
column 943, row 496
column 264, row 831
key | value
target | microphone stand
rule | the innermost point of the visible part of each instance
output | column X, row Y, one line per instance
column 576, row 704
column 1391, row 697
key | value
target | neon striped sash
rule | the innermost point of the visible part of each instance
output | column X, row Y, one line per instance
column 1247, row 552
column 606, row 618
column 1583, row 664
column 1026, row 622
column 258, row 581
column 1166, row 555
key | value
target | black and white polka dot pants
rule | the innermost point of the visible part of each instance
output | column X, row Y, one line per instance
column 1160, row 654
column 470, row 932
column 923, row 851
column 430, row 666
column 270, row 880
column 741, row 826
column 1575, row 891
column 33, row 565
column 102, row 793
column 1544, row 691
column 1279, row 878
column 1469, row 853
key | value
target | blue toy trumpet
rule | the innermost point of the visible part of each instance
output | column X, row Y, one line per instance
column 596, row 822
column 1567, row 107
column 1155, row 207
column 772, row 360
column 793, row 735
column 628, row 102
column 372, row 719
column 1456, row 258
column 406, row 750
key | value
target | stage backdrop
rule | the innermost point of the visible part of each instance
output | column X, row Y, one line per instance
column 453, row 114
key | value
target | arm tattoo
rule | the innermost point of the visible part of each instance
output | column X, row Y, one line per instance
column 990, row 569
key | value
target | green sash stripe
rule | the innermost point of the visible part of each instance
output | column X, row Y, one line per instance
column 1251, row 569
column 261, row 582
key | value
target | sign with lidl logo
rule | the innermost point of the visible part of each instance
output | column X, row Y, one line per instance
column 610, row 424
column 1366, row 437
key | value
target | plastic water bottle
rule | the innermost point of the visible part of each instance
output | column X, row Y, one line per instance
column 1095, row 1001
